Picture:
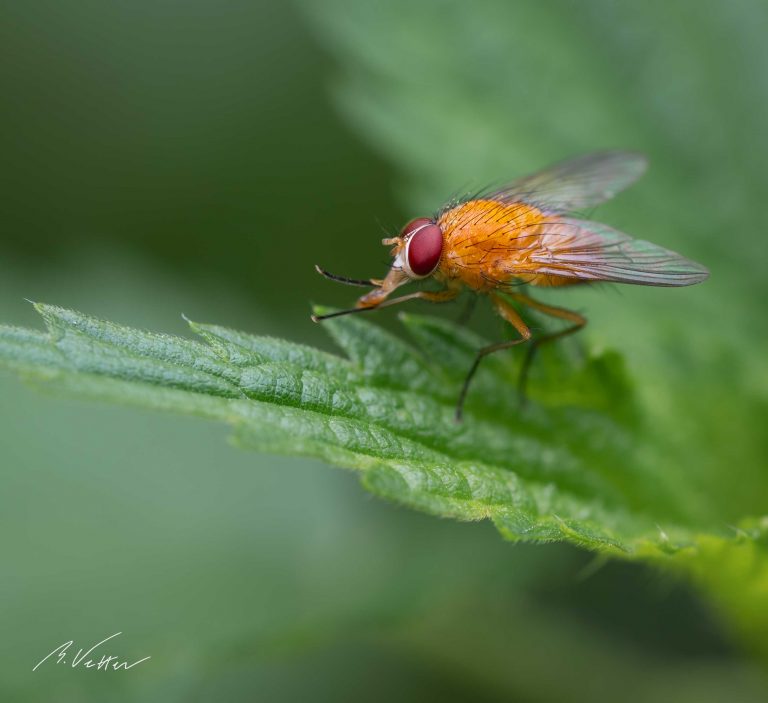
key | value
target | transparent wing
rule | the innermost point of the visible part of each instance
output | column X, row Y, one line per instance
column 577, row 183
column 589, row 251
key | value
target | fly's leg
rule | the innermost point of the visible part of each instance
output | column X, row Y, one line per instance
column 561, row 313
column 432, row 296
column 437, row 296
column 510, row 315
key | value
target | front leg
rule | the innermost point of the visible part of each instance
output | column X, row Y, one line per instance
column 437, row 296
column 433, row 296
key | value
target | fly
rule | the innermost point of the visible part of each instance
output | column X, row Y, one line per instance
column 524, row 233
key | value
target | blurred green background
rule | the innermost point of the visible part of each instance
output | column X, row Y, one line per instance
column 166, row 157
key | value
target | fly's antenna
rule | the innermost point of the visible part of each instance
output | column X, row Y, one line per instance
column 365, row 283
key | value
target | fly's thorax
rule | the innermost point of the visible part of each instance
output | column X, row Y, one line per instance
column 487, row 241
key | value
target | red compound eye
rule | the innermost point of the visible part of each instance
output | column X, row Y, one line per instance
column 423, row 247
column 413, row 225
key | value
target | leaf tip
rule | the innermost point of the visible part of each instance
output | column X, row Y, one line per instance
column 47, row 312
column 196, row 327
column 41, row 308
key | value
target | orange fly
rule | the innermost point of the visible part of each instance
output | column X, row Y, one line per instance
column 523, row 234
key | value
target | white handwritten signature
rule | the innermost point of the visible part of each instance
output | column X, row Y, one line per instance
column 105, row 663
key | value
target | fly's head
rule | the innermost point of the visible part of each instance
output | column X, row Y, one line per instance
column 416, row 253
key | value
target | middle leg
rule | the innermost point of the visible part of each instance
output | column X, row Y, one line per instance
column 578, row 321
column 510, row 315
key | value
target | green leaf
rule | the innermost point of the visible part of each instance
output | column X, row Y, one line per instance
column 553, row 471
